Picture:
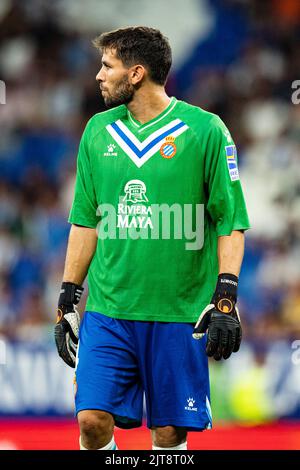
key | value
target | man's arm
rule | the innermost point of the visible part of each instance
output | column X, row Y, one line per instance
column 231, row 252
column 227, row 209
column 80, row 251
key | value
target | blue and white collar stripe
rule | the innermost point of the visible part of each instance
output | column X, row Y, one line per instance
column 140, row 152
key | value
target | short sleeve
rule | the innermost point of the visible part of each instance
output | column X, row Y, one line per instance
column 84, row 207
column 225, row 199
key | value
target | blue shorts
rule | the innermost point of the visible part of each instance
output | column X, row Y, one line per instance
column 120, row 360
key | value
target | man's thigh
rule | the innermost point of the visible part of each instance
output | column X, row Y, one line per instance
column 174, row 369
column 107, row 375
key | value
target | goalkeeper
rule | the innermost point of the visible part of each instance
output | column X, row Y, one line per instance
column 143, row 332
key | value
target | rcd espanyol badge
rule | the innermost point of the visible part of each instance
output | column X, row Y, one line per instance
column 168, row 148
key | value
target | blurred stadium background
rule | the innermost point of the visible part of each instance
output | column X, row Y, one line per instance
column 237, row 58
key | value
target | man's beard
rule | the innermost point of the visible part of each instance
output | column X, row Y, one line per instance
column 123, row 94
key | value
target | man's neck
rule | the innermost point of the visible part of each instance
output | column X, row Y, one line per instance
column 148, row 103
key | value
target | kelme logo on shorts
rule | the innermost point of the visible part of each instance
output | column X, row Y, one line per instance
column 190, row 405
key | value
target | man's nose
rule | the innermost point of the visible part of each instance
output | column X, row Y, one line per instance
column 99, row 76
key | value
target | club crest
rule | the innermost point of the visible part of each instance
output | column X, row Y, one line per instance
column 168, row 148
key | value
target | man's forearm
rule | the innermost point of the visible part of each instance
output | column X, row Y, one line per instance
column 231, row 252
column 81, row 248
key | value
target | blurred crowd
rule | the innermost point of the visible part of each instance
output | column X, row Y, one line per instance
column 49, row 70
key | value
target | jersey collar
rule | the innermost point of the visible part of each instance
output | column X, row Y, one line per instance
column 141, row 127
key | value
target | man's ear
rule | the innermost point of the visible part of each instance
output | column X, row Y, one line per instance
column 137, row 73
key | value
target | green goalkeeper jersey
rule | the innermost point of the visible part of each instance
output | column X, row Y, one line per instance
column 159, row 195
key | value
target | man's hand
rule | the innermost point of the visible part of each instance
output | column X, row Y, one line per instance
column 66, row 331
column 221, row 320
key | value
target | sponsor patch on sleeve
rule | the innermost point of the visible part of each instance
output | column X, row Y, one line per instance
column 232, row 162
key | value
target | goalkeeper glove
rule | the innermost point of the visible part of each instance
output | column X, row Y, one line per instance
column 221, row 320
column 66, row 331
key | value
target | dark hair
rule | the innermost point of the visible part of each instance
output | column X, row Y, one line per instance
column 140, row 45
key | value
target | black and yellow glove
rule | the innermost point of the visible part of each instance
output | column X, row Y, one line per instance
column 221, row 320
